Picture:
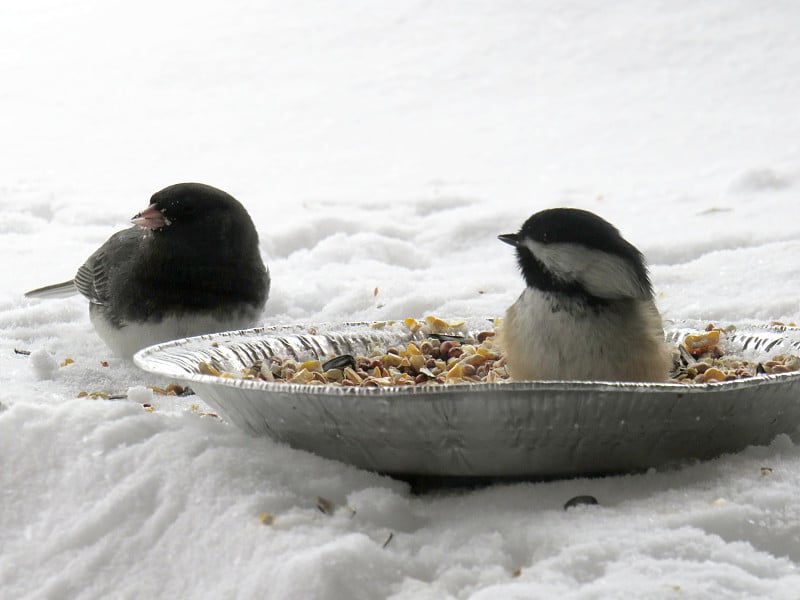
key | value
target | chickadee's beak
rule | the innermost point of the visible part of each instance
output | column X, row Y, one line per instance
column 511, row 239
column 150, row 218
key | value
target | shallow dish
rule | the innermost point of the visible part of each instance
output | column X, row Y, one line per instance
column 519, row 429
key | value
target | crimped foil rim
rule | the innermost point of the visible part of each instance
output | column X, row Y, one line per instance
column 144, row 360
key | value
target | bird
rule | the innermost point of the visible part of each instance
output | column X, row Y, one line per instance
column 189, row 265
column 587, row 312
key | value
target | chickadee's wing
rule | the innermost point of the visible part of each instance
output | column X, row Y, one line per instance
column 57, row 290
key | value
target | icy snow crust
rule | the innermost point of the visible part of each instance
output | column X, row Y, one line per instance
column 383, row 147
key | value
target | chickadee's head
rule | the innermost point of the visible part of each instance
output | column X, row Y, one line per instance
column 576, row 252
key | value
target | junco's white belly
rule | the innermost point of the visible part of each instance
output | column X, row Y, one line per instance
column 129, row 339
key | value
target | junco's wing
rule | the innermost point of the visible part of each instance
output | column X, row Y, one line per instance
column 92, row 277
column 112, row 260
column 91, row 280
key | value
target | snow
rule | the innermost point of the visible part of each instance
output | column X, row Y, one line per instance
column 384, row 146
column 43, row 364
column 140, row 394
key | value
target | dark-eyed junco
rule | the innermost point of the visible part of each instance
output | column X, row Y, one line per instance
column 190, row 265
column 587, row 312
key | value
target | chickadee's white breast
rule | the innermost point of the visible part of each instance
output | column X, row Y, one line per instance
column 553, row 336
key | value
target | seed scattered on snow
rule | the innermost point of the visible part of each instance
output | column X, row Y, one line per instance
column 325, row 506
column 388, row 539
column 580, row 500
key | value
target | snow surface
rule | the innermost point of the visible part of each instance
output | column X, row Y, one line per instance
column 384, row 146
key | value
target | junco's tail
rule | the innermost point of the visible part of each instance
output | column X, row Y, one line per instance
column 57, row 290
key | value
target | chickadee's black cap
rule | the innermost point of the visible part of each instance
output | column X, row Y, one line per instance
column 573, row 225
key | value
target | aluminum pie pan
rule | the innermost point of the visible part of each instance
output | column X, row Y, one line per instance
column 517, row 429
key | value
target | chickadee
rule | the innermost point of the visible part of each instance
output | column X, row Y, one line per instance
column 190, row 265
column 587, row 312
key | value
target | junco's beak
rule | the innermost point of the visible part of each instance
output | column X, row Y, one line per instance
column 509, row 238
column 150, row 218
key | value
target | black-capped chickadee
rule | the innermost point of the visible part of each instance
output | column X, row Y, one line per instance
column 190, row 265
column 587, row 312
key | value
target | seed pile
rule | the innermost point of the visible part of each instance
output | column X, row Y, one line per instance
column 443, row 353
column 426, row 362
column 701, row 360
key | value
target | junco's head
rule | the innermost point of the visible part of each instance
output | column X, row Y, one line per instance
column 587, row 312
column 196, row 211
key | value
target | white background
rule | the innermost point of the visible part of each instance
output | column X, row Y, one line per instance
column 385, row 145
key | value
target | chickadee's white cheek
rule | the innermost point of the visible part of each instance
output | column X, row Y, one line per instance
column 601, row 274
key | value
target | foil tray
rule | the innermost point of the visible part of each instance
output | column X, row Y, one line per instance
column 519, row 429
